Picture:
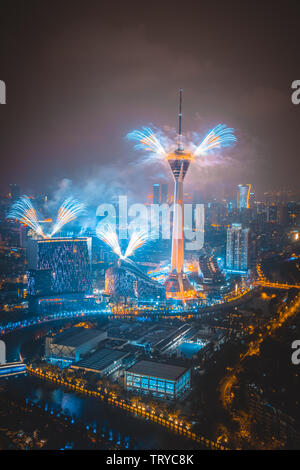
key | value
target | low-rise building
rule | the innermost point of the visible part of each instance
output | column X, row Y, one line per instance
column 105, row 361
column 71, row 345
column 159, row 379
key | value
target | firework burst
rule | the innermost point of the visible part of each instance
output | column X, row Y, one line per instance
column 147, row 140
column 220, row 136
column 107, row 233
column 68, row 211
column 137, row 240
column 23, row 211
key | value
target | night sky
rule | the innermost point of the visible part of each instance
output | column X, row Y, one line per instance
column 81, row 74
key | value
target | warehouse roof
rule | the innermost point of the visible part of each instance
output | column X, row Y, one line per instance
column 75, row 337
column 101, row 359
column 157, row 369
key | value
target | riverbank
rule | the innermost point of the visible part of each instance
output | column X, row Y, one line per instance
column 133, row 409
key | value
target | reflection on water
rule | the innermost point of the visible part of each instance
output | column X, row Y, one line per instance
column 116, row 424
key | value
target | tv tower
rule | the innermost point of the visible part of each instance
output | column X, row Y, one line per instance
column 177, row 282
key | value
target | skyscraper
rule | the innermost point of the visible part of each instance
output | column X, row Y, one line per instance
column 164, row 193
column 243, row 196
column 156, row 191
column 237, row 249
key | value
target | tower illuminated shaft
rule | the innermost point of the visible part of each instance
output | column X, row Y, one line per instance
column 179, row 162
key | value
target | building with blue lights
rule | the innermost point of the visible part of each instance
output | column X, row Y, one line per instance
column 12, row 368
column 160, row 380
column 66, row 303
column 71, row 345
column 243, row 196
column 237, row 248
column 125, row 281
column 69, row 261
column 61, row 279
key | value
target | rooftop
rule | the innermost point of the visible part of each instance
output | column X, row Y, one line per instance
column 157, row 369
column 101, row 359
column 75, row 337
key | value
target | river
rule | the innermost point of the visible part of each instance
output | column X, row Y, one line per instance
column 114, row 422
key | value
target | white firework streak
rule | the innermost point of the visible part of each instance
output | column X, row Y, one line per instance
column 147, row 140
column 107, row 233
column 137, row 240
column 23, row 211
column 68, row 211
column 220, row 136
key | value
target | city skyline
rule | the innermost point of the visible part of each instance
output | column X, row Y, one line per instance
column 149, row 245
column 76, row 121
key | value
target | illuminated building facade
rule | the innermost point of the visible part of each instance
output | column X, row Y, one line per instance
column 39, row 282
column 243, row 196
column 160, row 380
column 12, row 368
column 126, row 281
column 164, row 193
column 71, row 345
column 9, row 368
column 64, row 303
column 237, row 248
column 69, row 260
column 211, row 273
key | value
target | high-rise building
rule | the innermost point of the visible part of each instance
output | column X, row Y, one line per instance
column 69, row 260
column 156, row 191
column 272, row 214
column 237, row 249
column 164, row 193
column 243, row 196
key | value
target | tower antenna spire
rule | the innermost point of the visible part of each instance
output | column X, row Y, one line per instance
column 180, row 121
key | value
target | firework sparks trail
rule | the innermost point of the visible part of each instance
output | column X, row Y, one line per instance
column 107, row 233
column 68, row 211
column 148, row 141
column 220, row 136
column 137, row 240
column 23, row 211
